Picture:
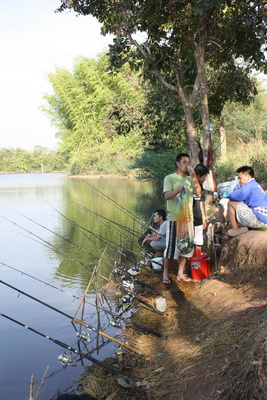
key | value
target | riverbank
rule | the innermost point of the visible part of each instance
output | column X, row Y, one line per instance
column 213, row 343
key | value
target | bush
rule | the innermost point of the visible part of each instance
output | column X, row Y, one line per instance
column 155, row 166
column 252, row 154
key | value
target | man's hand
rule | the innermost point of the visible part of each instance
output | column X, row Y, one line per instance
column 145, row 240
column 179, row 188
column 191, row 172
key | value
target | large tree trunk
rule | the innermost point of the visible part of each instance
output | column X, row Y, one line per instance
column 191, row 135
column 203, row 92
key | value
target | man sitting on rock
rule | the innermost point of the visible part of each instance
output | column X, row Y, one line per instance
column 158, row 239
column 248, row 204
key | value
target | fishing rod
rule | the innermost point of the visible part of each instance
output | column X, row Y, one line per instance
column 115, row 315
column 109, row 226
column 78, row 321
column 140, row 299
column 143, row 284
column 40, row 280
column 96, row 215
column 66, row 346
column 66, row 255
column 80, row 263
column 124, row 227
column 102, row 239
column 117, row 205
column 49, row 245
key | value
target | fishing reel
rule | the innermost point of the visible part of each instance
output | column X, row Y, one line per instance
column 127, row 299
column 145, row 261
column 134, row 270
column 115, row 324
column 128, row 284
column 83, row 336
column 66, row 359
column 117, row 271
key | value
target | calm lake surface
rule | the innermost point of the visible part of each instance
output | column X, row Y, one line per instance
column 42, row 240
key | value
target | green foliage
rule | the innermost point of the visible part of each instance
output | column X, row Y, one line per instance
column 155, row 166
column 225, row 171
column 259, row 164
column 99, row 114
column 184, row 41
column 246, row 133
column 246, row 122
column 106, row 119
column 39, row 160
column 164, row 119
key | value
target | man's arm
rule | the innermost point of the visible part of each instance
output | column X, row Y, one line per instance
column 151, row 238
column 171, row 194
column 202, row 207
column 192, row 173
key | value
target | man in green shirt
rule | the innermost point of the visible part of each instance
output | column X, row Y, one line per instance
column 174, row 185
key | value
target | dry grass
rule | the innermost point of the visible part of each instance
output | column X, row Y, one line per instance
column 213, row 344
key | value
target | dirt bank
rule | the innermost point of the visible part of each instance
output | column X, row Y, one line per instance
column 213, row 343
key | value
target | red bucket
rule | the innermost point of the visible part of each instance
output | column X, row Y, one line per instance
column 200, row 266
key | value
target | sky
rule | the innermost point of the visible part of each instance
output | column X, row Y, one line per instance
column 34, row 40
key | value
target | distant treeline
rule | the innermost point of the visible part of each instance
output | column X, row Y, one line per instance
column 40, row 159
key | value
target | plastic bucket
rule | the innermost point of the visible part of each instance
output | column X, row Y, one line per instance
column 200, row 266
column 224, row 189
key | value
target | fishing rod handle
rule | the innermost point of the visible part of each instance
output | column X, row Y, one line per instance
column 119, row 342
column 106, row 335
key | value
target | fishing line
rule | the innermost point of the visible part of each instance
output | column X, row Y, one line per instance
column 88, row 252
column 97, row 216
column 121, row 287
column 66, row 346
column 133, row 294
column 78, row 321
column 117, row 205
column 113, row 314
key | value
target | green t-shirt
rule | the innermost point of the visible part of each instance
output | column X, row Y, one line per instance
column 170, row 183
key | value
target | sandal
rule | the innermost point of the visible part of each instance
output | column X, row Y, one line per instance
column 166, row 281
column 185, row 279
column 237, row 231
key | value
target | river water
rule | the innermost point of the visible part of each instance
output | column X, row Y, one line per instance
column 51, row 233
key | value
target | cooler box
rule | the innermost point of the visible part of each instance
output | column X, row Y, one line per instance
column 200, row 266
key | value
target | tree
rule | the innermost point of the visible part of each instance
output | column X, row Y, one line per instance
column 182, row 39
column 98, row 113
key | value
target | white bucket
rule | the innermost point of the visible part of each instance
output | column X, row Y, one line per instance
column 157, row 263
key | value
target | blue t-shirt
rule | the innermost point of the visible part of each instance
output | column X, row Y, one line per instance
column 252, row 194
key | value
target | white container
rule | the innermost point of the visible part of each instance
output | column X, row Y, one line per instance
column 226, row 188
column 161, row 304
column 157, row 263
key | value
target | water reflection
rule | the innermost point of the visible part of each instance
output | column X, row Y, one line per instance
column 63, row 255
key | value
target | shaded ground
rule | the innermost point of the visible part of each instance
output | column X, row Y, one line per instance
column 213, row 343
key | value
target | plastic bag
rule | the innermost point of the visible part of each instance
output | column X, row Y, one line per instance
column 184, row 226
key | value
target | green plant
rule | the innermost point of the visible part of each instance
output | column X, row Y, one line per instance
column 155, row 166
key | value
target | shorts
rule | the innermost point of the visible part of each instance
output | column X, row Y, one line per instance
column 198, row 239
column 246, row 217
column 171, row 251
column 158, row 244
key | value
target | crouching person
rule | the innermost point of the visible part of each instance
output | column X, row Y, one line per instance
column 158, row 240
